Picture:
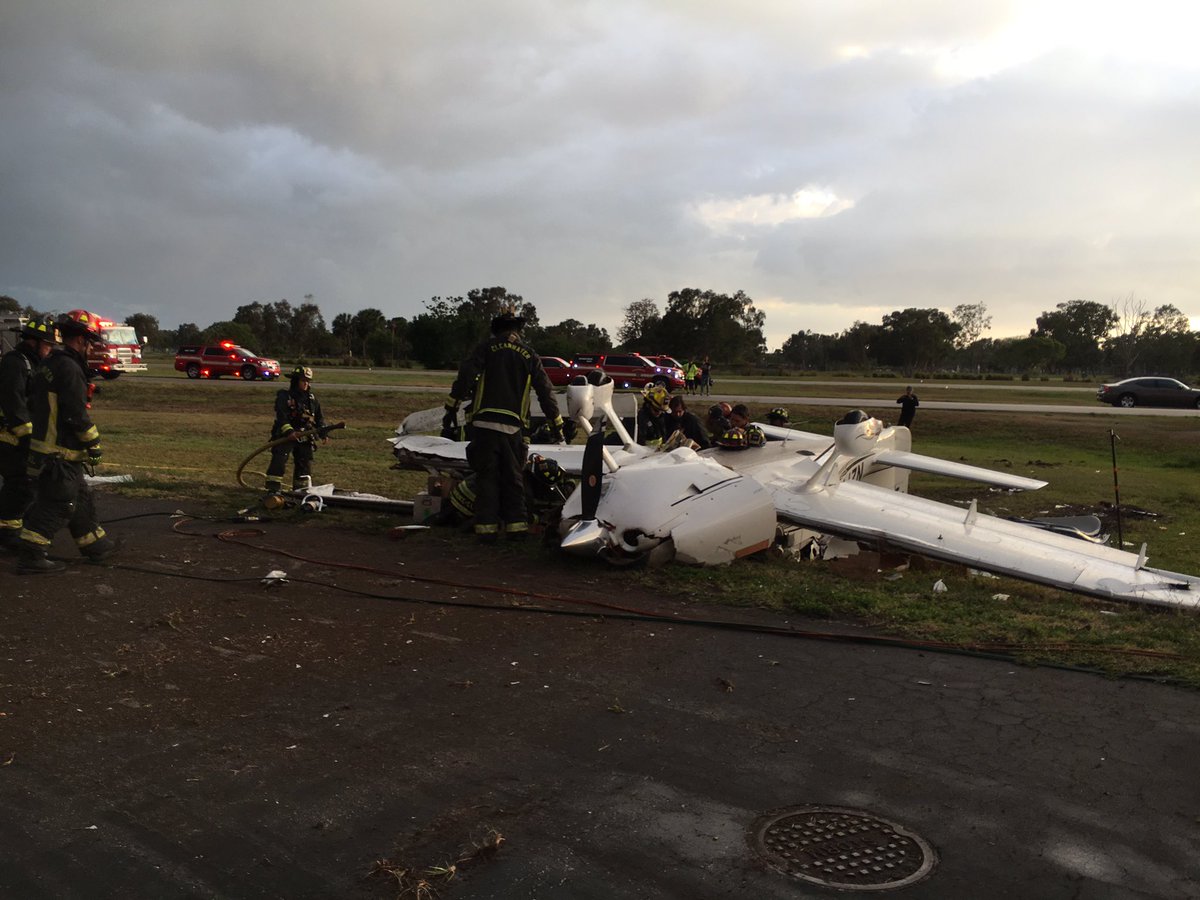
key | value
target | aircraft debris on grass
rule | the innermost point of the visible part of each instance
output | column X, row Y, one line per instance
column 714, row 506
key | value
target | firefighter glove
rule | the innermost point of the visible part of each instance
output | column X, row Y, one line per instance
column 556, row 431
column 450, row 422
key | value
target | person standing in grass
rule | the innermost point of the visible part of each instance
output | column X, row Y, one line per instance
column 908, row 407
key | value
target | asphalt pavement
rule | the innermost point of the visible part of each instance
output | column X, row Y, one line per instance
column 175, row 739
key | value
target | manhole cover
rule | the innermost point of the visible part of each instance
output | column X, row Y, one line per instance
column 841, row 848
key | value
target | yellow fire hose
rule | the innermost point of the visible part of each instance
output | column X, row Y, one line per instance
column 293, row 436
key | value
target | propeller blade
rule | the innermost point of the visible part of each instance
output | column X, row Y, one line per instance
column 592, row 473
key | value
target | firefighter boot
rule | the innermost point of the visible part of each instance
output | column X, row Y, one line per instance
column 34, row 561
column 10, row 539
column 99, row 551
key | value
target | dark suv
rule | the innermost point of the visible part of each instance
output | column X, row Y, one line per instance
column 631, row 370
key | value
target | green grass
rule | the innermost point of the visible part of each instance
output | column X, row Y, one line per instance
column 184, row 441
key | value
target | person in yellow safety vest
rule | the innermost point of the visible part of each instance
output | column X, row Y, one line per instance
column 64, row 439
column 691, row 374
column 37, row 339
column 498, row 376
column 653, row 425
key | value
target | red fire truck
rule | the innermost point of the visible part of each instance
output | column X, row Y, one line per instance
column 120, row 352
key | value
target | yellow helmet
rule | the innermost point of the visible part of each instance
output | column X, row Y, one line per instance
column 656, row 396
column 41, row 330
column 302, row 372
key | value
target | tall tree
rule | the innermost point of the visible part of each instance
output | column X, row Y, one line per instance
column 1169, row 343
column 307, row 328
column 568, row 338
column 915, row 339
column 972, row 321
column 808, row 350
column 343, row 330
column 1036, row 353
column 725, row 327
column 365, row 323
column 1081, row 327
column 855, row 345
column 1124, row 343
column 450, row 327
column 641, row 320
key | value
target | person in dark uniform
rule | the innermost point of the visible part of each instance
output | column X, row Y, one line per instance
column 908, row 407
column 63, row 440
column 296, row 410
column 498, row 376
column 687, row 422
column 653, row 423
column 717, row 422
column 37, row 339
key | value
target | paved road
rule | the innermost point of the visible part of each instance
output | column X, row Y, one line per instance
column 888, row 403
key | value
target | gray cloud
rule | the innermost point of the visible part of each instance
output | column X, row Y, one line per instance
column 182, row 159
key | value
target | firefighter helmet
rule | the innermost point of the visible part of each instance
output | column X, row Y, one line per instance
column 80, row 322
column 41, row 330
column 302, row 372
column 545, row 471
column 733, row 439
column 656, row 396
column 507, row 321
column 778, row 416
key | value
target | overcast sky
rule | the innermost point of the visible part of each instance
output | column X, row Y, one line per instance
column 834, row 160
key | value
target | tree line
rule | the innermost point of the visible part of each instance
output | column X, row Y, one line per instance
column 1078, row 336
column 1126, row 337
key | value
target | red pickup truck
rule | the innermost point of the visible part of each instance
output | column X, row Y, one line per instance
column 225, row 358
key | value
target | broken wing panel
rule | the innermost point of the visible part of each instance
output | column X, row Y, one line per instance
column 916, row 525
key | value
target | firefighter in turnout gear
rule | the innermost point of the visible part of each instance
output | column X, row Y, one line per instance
column 653, row 424
column 546, row 490
column 296, row 410
column 498, row 376
column 37, row 339
column 63, row 441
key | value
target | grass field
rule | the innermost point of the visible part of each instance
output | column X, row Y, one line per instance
column 184, row 441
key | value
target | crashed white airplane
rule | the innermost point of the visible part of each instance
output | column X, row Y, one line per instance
column 714, row 506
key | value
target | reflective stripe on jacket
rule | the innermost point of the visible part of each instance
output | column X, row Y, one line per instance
column 499, row 374
column 16, row 368
column 62, row 426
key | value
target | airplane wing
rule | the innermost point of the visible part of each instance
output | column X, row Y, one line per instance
column 864, row 512
column 933, row 466
column 806, row 439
